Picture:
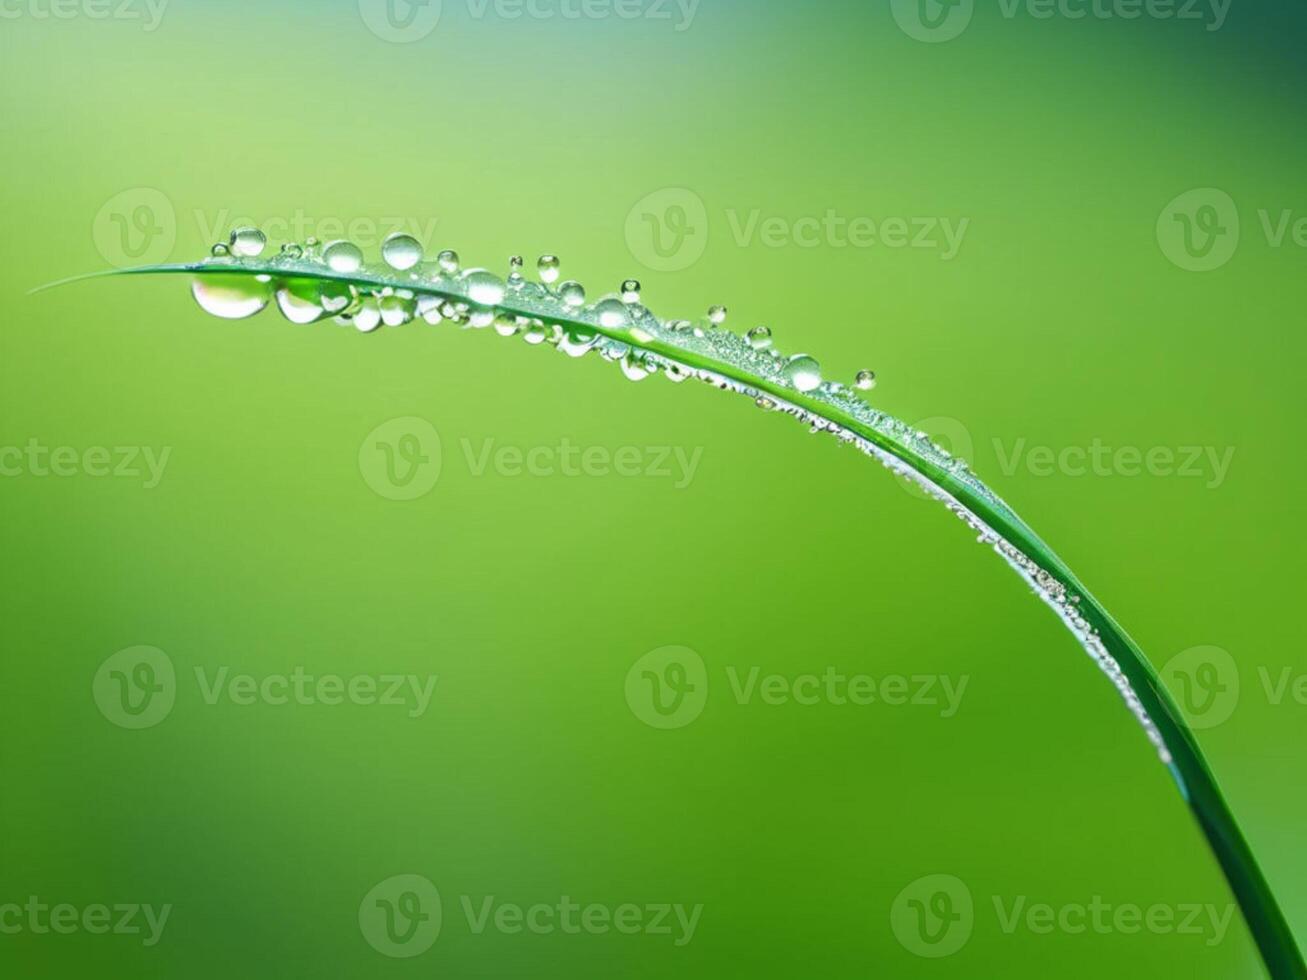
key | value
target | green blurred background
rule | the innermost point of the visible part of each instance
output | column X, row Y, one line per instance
column 1072, row 314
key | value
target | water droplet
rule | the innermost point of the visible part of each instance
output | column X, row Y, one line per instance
column 572, row 293
column 337, row 297
column 429, row 309
column 612, row 314
column 401, row 251
column 759, row 338
column 631, row 291
column 635, row 367
column 396, row 310
column 232, row 297
column 247, row 242
column 220, row 250
column 292, row 250
column 535, row 334
column 803, row 372
column 679, row 325
column 448, row 261
column 343, row 257
column 865, row 381
column 483, row 287
column 765, row 403
column 298, row 301
column 515, row 264
column 506, row 325
column 368, row 318
column 576, row 341
column 716, row 315
column 548, row 267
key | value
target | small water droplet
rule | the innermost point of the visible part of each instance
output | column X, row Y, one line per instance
column 865, row 381
column 572, row 293
column 631, row 291
column 716, row 315
column 635, row 367
column 343, row 257
column 506, row 326
column 368, row 317
column 803, row 372
column 577, row 341
column 548, row 268
column 232, row 297
column 401, row 251
column 759, row 338
column 396, row 310
column 220, row 251
column 448, row 261
column 298, row 301
column 535, row 334
column 483, row 287
column 515, row 264
column 292, row 250
column 247, row 242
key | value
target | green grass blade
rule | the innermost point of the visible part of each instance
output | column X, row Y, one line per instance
column 308, row 288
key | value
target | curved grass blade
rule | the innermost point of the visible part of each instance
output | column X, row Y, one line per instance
column 310, row 285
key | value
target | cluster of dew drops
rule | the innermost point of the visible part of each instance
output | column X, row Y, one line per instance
column 555, row 313
column 472, row 298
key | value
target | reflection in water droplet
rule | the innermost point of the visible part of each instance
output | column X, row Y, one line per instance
column 548, row 267
column 232, row 297
column 401, row 251
column 343, row 257
column 803, row 372
column 483, row 287
column 247, row 242
column 572, row 293
column 612, row 314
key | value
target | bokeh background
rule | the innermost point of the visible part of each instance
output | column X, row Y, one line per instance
column 701, row 150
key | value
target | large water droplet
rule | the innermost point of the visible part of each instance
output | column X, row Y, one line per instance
column 343, row 257
column 483, row 287
column 572, row 293
column 298, row 301
column 247, row 242
column 401, row 251
column 232, row 297
column 612, row 314
column 548, row 267
column 803, row 372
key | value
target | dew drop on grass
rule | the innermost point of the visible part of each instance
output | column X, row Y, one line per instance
column 548, row 268
column 343, row 257
column 368, row 317
column 631, row 291
column 759, row 338
column 716, row 315
column 298, row 300
column 865, row 381
column 247, row 242
column 401, row 251
column 572, row 293
column 448, row 261
column 231, row 296
column 220, row 250
column 612, row 314
column 483, row 287
column 803, row 372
